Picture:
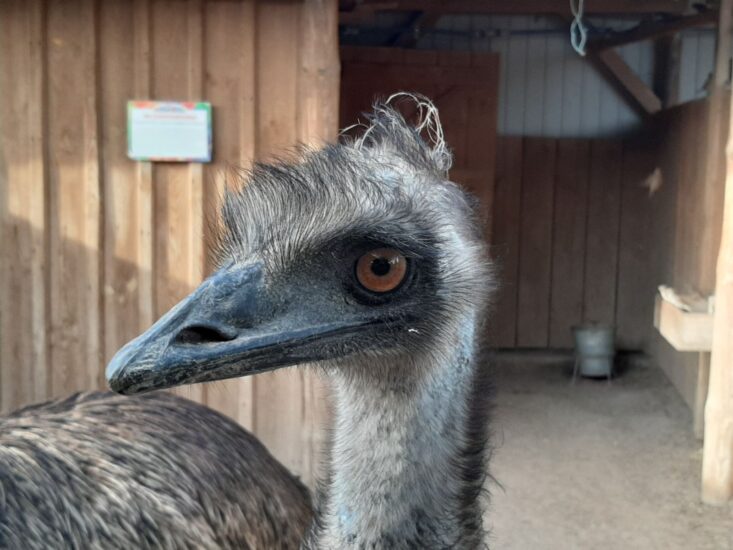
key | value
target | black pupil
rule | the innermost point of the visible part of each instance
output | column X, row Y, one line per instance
column 381, row 266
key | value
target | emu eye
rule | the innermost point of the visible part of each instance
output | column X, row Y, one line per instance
column 381, row 270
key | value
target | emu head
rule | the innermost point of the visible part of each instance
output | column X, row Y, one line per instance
column 356, row 252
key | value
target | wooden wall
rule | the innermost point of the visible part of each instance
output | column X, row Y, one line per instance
column 581, row 232
column 95, row 246
column 571, row 237
column 693, row 177
column 464, row 88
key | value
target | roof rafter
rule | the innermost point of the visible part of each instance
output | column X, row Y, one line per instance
column 656, row 29
column 519, row 7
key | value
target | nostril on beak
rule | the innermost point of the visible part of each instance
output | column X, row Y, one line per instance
column 202, row 334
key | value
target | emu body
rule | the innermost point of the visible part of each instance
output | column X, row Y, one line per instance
column 398, row 342
column 99, row 471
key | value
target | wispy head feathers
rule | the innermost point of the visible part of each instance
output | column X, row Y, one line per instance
column 392, row 175
column 388, row 131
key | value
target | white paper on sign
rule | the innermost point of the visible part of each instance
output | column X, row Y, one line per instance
column 169, row 131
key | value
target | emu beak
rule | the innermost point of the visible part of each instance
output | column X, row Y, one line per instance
column 229, row 327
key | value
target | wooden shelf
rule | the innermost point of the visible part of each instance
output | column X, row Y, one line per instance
column 684, row 330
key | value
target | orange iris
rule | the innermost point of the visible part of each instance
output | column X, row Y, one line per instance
column 381, row 270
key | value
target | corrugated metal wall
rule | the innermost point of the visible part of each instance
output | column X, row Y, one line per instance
column 546, row 88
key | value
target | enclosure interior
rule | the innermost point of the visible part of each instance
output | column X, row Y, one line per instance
column 588, row 205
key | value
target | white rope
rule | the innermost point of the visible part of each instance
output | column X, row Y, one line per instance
column 578, row 30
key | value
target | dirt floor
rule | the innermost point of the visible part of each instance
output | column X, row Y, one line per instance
column 597, row 466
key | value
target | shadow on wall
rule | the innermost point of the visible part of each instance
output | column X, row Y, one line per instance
column 61, row 319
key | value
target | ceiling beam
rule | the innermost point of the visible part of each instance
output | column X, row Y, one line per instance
column 520, row 7
column 652, row 30
column 408, row 36
column 622, row 77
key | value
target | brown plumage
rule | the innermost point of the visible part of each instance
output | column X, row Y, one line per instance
column 98, row 470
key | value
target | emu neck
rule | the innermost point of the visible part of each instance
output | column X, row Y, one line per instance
column 400, row 455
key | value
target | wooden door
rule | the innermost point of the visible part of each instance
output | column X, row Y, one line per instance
column 464, row 87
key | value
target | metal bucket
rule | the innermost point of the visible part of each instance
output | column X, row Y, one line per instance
column 594, row 350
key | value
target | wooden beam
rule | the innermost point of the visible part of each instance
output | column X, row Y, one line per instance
column 666, row 76
column 615, row 70
column 522, row 7
column 319, row 78
column 652, row 30
column 717, row 131
column 358, row 17
column 717, row 467
column 721, row 76
column 408, row 36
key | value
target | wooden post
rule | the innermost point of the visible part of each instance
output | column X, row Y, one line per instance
column 318, row 90
column 717, row 469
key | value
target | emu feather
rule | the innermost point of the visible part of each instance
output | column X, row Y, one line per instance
column 100, row 471
column 407, row 463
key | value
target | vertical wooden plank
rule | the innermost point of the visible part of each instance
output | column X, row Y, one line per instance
column 23, row 229
column 248, row 84
column 637, row 277
column 601, row 256
column 500, row 46
column 454, row 58
column 318, row 93
column 195, row 177
column 664, row 234
column 481, row 137
column 535, row 258
column 717, row 468
column 568, row 243
column 693, row 211
column 127, row 294
column 373, row 55
column 717, row 471
column 685, row 245
column 716, row 114
column 195, row 207
column 701, row 394
column 680, row 167
column 229, row 44
column 143, row 176
column 278, row 396
column 195, row 92
column 247, row 153
column 420, row 57
column 454, row 109
column 318, row 77
column 705, row 189
column 74, row 198
column 177, row 187
column 505, row 240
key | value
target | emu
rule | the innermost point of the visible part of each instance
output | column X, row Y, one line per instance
column 102, row 471
column 363, row 259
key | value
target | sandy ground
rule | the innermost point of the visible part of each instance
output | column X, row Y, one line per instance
column 597, row 466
